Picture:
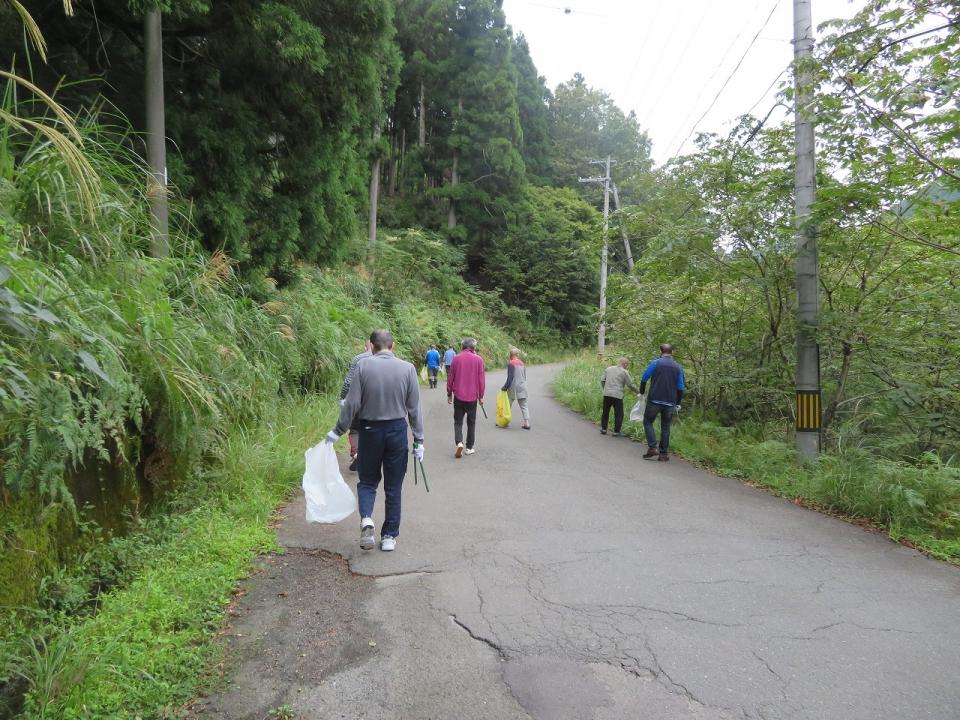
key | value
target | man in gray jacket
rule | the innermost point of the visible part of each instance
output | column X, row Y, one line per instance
column 615, row 381
column 384, row 393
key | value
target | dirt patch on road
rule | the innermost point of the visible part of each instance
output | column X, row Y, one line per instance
column 295, row 623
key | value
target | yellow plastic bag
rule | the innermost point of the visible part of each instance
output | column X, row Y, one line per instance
column 503, row 409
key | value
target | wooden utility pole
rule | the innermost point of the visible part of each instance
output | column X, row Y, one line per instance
column 604, row 253
column 808, row 420
column 623, row 231
column 156, row 133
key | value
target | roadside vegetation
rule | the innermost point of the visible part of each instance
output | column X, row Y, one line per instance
column 914, row 502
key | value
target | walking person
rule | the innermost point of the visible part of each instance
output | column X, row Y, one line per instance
column 433, row 365
column 466, row 384
column 384, row 395
column 666, row 391
column 516, row 385
column 352, row 434
column 615, row 381
column 448, row 357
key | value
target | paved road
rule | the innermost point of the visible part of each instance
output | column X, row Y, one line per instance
column 555, row 575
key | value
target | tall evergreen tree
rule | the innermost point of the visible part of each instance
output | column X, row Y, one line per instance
column 533, row 100
column 587, row 125
column 271, row 110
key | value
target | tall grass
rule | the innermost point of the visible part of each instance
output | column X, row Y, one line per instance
column 916, row 503
column 145, row 650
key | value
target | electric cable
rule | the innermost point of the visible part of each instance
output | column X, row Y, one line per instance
column 726, row 82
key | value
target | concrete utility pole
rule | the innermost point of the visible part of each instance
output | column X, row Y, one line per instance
column 156, row 133
column 808, row 302
column 602, row 331
column 623, row 230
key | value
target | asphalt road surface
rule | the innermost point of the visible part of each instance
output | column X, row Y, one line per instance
column 556, row 575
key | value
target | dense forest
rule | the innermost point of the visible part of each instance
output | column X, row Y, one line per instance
column 137, row 390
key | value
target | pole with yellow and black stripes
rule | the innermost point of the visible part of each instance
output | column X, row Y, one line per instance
column 805, row 185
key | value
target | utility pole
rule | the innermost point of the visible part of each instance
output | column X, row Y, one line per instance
column 623, row 230
column 602, row 331
column 808, row 305
column 156, row 133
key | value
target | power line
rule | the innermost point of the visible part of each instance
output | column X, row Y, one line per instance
column 683, row 53
column 714, row 74
column 646, row 36
column 729, row 77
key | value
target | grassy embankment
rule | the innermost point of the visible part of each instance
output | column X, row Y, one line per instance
column 918, row 505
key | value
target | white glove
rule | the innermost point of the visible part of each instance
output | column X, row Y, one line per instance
column 331, row 437
column 343, row 402
column 418, row 451
column 676, row 408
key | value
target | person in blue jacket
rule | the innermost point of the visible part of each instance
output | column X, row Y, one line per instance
column 433, row 365
column 448, row 357
column 666, row 391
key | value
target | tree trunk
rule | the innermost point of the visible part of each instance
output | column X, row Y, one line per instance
column 831, row 411
column 454, row 175
column 394, row 163
column 374, row 197
column 422, row 136
column 156, row 133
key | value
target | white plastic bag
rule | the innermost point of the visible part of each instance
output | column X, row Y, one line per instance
column 329, row 500
column 636, row 412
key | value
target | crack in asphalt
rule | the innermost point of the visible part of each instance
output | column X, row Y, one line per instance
column 862, row 627
column 479, row 638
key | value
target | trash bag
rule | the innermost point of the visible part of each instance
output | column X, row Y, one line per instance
column 636, row 412
column 329, row 500
column 423, row 373
column 503, row 409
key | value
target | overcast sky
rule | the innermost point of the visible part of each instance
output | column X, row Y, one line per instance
column 668, row 59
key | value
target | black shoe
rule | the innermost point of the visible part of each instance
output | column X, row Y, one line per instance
column 650, row 453
column 618, row 434
column 664, row 457
column 603, row 432
column 353, row 464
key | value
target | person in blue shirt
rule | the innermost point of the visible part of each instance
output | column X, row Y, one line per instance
column 448, row 357
column 666, row 391
column 433, row 365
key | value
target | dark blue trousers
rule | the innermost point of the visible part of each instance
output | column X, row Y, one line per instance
column 650, row 413
column 382, row 449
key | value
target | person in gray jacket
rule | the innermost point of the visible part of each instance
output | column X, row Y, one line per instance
column 516, row 385
column 614, row 381
column 384, row 393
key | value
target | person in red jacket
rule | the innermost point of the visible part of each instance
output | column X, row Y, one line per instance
column 466, row 383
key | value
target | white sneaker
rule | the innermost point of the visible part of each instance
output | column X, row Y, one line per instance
column 459, row 452
column 388, row 543
column 469, row 451
column 367, row 534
